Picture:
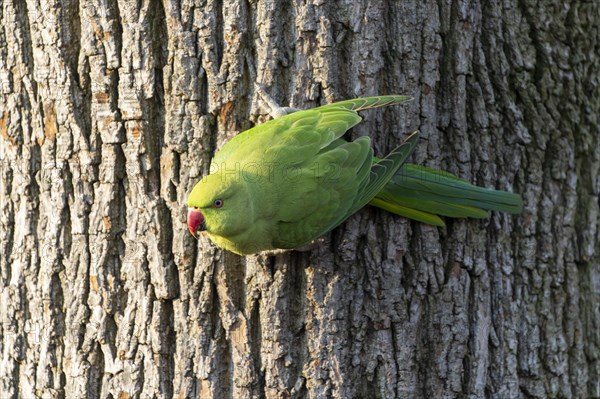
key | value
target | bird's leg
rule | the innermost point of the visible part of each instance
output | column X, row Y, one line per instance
column 276, row 110
column 311, row 245
column 305, row 248
column 274, row 252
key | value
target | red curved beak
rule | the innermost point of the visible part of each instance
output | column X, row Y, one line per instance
column 195, row 221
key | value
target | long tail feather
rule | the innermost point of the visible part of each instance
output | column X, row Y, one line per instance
column 422, row 193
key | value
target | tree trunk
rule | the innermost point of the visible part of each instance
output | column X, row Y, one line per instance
column 110, row 112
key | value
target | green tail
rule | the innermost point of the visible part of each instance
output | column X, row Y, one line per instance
column 422, row 193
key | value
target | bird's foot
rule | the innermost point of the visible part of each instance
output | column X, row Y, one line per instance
column 304, row 248
column 275, row 110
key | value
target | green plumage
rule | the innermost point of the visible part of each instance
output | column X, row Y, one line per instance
column 286, row 182
column 422, row 193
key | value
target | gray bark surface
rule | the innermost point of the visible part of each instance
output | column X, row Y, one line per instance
column 111, row 110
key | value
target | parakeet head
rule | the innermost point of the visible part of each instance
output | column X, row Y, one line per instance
column 219, row 204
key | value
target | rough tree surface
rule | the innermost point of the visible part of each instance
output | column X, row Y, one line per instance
column 111, row 110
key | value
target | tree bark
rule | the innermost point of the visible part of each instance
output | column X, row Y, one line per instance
column 111, row 110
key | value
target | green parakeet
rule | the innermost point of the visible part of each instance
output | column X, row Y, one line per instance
column 286, row 182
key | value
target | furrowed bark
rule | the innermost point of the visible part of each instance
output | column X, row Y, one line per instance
column 110, row 112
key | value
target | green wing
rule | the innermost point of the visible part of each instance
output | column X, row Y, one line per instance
column 316, row 205
column 359, row 104
column 322, row 192
column 303, row 132
column 382, row 171
column 332, row 120
column 307, row 179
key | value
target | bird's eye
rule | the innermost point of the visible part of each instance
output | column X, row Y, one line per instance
column 218, row 203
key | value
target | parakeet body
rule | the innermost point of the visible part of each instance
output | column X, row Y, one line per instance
column 288, row 181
